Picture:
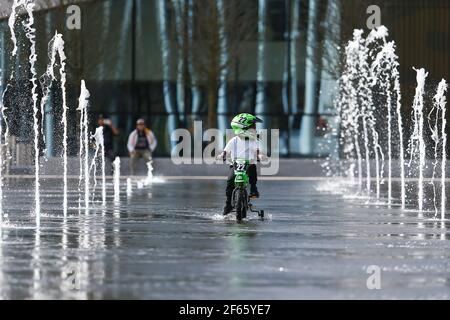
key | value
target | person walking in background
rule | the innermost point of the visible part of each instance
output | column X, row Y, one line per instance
column 141, row 144
column 109, row 132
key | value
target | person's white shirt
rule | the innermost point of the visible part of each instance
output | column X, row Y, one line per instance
column 132, row 140
column 242, row 148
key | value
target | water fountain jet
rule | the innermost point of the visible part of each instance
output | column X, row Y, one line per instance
column 83, row 102
column 116, row 164
column 417, row 142
column 440, row 102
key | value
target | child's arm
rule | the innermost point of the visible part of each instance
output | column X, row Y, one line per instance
column 261, row 157
column 226, row 151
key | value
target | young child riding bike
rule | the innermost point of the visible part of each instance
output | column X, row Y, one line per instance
column 244, row 145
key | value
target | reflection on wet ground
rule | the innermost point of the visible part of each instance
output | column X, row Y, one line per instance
column 169, row 241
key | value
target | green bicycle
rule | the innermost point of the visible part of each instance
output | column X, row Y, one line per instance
column 240, row 200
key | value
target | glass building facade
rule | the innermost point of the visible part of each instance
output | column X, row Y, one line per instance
column 172, row 62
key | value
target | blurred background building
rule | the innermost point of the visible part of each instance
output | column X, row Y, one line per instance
column 176, row 61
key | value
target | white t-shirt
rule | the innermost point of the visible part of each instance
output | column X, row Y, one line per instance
column 241, row 148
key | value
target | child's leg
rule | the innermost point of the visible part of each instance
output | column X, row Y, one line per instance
column 230, row 185
column 229, row 192
column 253, row 179
column 252, row 174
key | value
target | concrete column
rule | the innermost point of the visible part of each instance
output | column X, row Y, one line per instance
column 328, row 82
column 222, row 105
column 295, row 35
column 49, row 116
column 261, row 104
column 307, row 127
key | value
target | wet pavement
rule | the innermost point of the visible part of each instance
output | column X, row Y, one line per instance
column 169, row 241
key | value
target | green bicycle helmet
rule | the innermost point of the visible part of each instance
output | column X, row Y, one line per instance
column 242, row 122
